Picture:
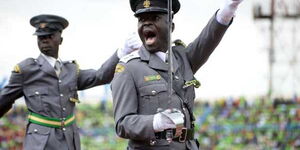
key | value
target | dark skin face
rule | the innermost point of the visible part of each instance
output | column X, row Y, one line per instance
column 49, row 44
column 153, row 31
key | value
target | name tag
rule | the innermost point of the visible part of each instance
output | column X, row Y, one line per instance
column 152, row 78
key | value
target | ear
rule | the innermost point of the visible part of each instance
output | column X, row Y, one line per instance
column 173, row 26
column 61, row 40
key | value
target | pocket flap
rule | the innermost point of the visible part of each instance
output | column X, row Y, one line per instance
column 37, row 91
column 152, row 89
column 38, row 129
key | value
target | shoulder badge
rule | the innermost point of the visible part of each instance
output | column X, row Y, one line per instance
column 17, row 69
column 119, row 68
column 130, row 56
column 24, row 65
column 178, row 42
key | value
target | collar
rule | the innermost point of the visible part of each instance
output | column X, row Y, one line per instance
column 161, row 55
column 51, row 60
column 155, row 61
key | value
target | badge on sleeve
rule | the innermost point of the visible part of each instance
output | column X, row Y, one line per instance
column 119, row 68
column 17, row 69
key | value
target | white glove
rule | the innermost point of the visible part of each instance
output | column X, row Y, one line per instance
column 162, row 122
column 227, row 11
column 131, row 44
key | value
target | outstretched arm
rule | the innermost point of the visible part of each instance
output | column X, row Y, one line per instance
column 199, row 51
column 11, row 92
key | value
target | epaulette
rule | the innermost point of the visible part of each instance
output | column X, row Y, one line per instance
column 22, row 64
column 77, row 65
column 179, row 42
column 130, row 56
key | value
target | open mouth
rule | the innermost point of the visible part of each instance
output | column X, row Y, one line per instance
column 46, row 48
column 150, row 37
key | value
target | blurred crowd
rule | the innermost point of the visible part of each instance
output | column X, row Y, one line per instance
column 238, row 124
column 224, row 124
column 12, row 129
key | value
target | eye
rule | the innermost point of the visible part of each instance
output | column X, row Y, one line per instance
column 51, row 36
column 141, row 19
column 157, row 18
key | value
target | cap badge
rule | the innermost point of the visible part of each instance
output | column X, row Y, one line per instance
column 146, row 3
column 43, row 25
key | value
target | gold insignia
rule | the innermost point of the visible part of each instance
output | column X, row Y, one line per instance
column 179, row 42
column 119, row 68
column 17, row 69
column 43, row 25
column 152, row 78
column 74, row 100
column 194, row 83
column 146, row 3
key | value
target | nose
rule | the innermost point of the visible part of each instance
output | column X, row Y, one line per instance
column 147, row 22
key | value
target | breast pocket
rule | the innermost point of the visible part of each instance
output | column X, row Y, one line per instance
column 152, row 97
column 35, row 98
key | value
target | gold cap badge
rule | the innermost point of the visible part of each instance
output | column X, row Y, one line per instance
column 146, row 3
column 43, row 25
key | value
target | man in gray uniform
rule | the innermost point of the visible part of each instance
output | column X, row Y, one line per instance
column 140, row 88
column 50, row 86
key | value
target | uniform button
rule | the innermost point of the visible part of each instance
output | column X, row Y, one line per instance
column 35, row 130
column 176, row 77
column 64, row 109
column 59, row 81
column 61, row 95
column 153, row 92
column 37, row 93
column 64, row 129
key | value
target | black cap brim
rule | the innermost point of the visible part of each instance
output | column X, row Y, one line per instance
column 43, row 33
column 151, row 9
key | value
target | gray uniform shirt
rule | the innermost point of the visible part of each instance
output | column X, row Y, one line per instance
column 49, row 95
column 139, row 89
